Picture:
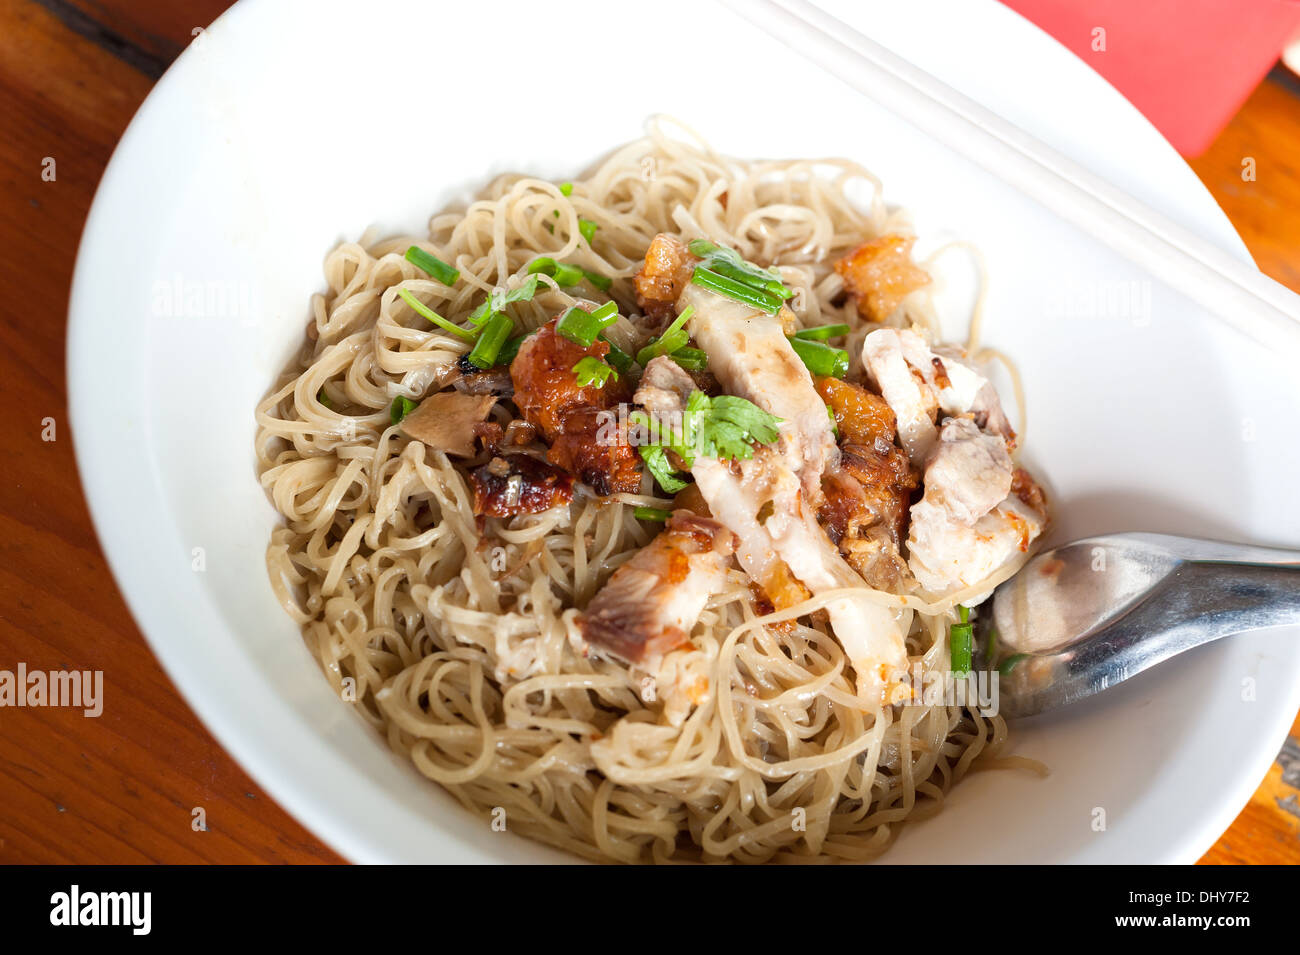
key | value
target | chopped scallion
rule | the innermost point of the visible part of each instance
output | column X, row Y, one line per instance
column 401, row 407
column 822, row 360
column 566, row 188
column 1009, row 664
column 620, row 359
column 588, row 229
column 440, row 270
column 991, row 647
column 602, row 282
column 509, row 350
column 961, row 646
column 493, row 338
column 606, row 314
column 821, row 333
column 692, row 359
column 582, row 328
column 566, row 275
column 651, row 514
column 728, row 263
column 738, row 291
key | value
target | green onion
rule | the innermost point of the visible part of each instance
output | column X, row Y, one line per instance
column 820, row 333
column 835, row 428
column 651, row 514
column 620, row 359
column 728, row 263
column 960, row 643
column 602, row 282
column 402, row 406
column 991, row 646
column 822, row 360
column 490, row 342
column 440, row 270
column 592, row 371
column 431, row 315
column 566, row 275
column 674, row 337
column 606, row 314
column 588, row 229
column 1009, row 664
column 509, row 350
column 324, row 398
column 964, row 613
column 692, row 359
column 582, row 328
column 566, row 188
column 738, row 291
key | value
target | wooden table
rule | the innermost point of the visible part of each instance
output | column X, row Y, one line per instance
column 122, row 788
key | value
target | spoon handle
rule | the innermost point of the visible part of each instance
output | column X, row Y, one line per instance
column 1195, row 549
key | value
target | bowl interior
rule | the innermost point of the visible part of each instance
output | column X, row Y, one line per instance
column 253, row 157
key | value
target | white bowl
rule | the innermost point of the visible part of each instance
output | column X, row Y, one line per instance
column 286, row 128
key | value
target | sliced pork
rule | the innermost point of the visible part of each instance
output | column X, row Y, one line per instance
column 866, row 494
column 751, row 357
column 919, row 383
column 652, row 602
column 978, row 511
column 570, row 416
column 770, row 500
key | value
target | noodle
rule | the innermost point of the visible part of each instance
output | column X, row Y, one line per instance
column 459, row 646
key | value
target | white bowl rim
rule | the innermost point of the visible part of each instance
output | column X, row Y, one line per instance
column 276, row 760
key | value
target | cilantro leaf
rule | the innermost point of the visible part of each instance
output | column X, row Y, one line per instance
column 724, row 427
column 498, row 300
column 592, row 371
column 727, row 427
column 656, row 462
column 673, row 339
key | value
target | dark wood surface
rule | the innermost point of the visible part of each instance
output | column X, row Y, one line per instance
column 123, row 787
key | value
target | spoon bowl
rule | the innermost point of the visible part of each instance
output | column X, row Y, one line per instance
column 1087, row 615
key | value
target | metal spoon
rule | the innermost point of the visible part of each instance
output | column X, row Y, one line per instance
column 1087, row 615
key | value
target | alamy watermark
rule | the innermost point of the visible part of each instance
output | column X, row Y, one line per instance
column 77, row 907
column 186, row 297
column 78, row 689
column 1126, row 300
column 977, row 689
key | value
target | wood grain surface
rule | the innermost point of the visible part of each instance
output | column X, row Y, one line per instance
column 124, row 788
